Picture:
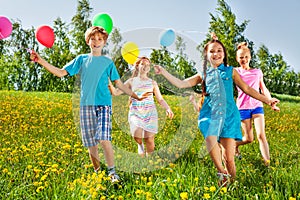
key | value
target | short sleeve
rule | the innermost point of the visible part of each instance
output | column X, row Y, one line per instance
column 113, row 72
column 73, row 67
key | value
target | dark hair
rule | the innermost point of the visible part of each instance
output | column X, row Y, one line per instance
column 203, row 84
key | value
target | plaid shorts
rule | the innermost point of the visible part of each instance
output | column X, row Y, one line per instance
column 95, row 124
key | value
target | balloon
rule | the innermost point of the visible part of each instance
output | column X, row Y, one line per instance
column 45, row 35
column 5, row 27
column 103, row 20
column 130, row 52
column 167, row 38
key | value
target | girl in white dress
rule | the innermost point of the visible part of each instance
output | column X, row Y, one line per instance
column 142, row 116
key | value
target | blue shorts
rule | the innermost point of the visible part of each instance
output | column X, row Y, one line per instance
column 95, row 124
column 248, row 113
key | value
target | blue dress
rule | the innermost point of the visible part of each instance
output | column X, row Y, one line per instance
column 219, row 115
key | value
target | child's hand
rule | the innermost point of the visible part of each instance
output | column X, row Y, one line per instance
column 192, row 98
column 275, row 108
column 157, row 69
column 170, row 114
column 273, row 103
column 35, row 57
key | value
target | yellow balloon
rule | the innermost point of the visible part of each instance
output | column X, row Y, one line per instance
column 130, row 52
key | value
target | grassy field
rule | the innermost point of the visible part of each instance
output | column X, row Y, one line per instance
column 41, row 156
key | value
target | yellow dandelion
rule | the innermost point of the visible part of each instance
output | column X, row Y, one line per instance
column 224, row 189
column 184, row 195
column 149, row 183
column 292, row 198
column 212, row 188
column 206, row 196
column 120, row 198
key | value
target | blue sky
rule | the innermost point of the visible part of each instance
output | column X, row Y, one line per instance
column 274, row 23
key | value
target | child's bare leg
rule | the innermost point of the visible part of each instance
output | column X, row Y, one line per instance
column 138, row 137
column 259, row 123
column 229, row 149
column 149, row 140
column 94, row 156
column 215, row 152
column 108, row 152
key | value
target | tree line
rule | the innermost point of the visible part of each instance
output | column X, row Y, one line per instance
column 17, row 72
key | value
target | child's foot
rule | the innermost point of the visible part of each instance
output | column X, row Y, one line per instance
column 267, row 163
column 224, row 179
column 141, row 150
column 238, row 153
column 114, row 178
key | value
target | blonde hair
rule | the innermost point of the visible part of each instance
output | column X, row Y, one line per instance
column 93, row 31
column 243, row 46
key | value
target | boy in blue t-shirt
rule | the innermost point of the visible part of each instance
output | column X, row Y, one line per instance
column 95, row 99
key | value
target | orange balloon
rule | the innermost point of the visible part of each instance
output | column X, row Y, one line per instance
column 45, row 35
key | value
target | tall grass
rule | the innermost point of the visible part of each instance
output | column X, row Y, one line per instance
column 41, row 156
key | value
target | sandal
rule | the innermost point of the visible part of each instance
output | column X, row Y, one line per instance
column 224, row 179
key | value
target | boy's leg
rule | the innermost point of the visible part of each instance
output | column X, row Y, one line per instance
column 94, row 156
column 108, row 152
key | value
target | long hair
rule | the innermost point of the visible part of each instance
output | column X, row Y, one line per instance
column 205, row 61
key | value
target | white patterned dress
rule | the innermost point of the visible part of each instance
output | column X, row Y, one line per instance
column 143, row 113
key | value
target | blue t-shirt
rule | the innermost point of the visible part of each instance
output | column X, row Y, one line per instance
column 95, row 71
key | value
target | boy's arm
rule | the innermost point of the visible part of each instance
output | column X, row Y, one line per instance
column 52, row 69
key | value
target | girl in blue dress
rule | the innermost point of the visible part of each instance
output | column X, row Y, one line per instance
column 219, row 118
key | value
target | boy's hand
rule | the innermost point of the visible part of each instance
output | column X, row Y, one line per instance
column 35, row 57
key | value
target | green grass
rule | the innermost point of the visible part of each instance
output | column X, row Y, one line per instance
column 41, row 156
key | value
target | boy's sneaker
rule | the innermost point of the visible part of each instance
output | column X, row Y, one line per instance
column 114, row 178
column 224, row 179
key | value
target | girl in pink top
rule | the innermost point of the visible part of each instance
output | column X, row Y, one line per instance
column 251, row 110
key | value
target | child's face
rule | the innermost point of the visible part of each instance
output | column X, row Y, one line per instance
column 243, row 57
column 215, row 54
column 144, row 66
column 96, row 42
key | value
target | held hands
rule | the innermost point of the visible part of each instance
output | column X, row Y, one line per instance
column 158, row 69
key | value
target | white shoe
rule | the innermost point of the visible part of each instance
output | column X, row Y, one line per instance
column 141, row 150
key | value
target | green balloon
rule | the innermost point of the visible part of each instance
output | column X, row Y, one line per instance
column 103, row 20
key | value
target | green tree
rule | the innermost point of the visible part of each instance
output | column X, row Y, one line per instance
column 228, row 31
column 22, row 75
column 80, row 23
column 58, row 55
column 115, row 38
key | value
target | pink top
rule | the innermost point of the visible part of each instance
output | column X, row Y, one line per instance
column 252, row 77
